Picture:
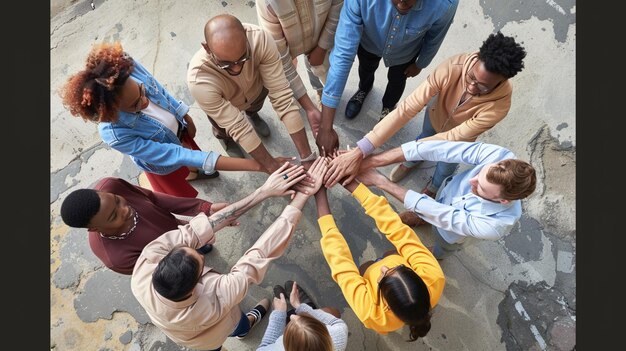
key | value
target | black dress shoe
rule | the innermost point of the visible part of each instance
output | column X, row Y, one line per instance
column 259, row 124
column 205, row 249
column 355, row 103
column 304, row 297
column 201, row 175
column 231, row 147
column 280, row 290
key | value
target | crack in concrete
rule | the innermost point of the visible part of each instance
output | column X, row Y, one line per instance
column 477, row 278
column 79, row 156
column 62, row 38
column 532, row 144
column 158, row 43
column 63, row 24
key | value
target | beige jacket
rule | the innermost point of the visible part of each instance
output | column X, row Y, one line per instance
column 298, row 26
column 225, row 98
column 210, row 315
column 452, row 122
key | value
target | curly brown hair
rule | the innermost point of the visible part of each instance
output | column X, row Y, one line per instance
column 93, row 93
column 517, row 178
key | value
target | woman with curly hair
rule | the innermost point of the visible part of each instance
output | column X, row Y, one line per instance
column 140, row 118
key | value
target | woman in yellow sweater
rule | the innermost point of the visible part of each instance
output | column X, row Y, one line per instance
column 400, row 288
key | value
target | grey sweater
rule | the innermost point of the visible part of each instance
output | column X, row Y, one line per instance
column 273, row 338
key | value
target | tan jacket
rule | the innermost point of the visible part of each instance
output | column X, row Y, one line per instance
column 210, row 315
column 298, row 26
column 462, row 123
column 225, row 98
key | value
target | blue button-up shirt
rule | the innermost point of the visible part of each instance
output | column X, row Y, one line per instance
column 382, row 31
column 456, row 212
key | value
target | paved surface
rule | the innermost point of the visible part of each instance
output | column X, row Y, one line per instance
column 514, row 294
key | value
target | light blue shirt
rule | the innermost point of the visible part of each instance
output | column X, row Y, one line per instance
column 382, row 31
column 456, row 212
column 151, row 145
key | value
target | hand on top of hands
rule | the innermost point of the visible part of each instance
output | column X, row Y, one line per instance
column 281, row 180
column 343, row 167
column 318, row 170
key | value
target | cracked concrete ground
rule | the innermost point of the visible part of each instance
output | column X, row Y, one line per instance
column 517, row 293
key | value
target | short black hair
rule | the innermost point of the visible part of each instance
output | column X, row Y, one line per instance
column 79, row 207
column 176, row 274
column 502, row 55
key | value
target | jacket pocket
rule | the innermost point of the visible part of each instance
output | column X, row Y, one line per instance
column 412, row 34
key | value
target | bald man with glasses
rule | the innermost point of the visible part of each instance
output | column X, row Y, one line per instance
column 237, row 67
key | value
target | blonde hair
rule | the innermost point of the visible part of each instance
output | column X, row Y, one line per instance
column 307, row 334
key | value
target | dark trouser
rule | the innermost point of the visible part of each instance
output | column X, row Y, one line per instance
column 255, row 107
column 242, row 328
column 396, row 80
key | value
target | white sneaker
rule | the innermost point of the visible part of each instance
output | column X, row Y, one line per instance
column 401, row 170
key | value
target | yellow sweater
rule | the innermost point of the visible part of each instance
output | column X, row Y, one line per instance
column 361, row 291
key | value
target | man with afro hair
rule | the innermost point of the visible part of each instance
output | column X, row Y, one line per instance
column 463, row 97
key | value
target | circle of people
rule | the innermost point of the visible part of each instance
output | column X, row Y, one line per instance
column 133, row 230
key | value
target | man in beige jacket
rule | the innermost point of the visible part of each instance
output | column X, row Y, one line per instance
column 302, row 27
column 237, row 67
column 464, row 96
column 193, row 304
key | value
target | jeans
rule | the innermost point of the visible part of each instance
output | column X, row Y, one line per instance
column 242, row 328
column 443, row 169
column 396, row 80
column 442, row 248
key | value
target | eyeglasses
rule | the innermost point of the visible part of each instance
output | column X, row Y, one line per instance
column 226, row 65
column 388, row 273
column 470, row 78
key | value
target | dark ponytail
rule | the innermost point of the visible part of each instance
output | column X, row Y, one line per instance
column 409, row 299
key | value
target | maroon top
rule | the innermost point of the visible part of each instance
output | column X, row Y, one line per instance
column 155, row 218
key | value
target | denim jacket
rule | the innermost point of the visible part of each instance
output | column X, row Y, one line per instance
column 148, row 142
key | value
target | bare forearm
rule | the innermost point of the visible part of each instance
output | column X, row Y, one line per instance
column 306, row 103
column 351, row 186
column 231, row 212
column 384, row 158
column 321, row 201
column 225, row 163
column 393, row 189
column 302, row 143
column 328, row 118
column 299, row 200
column 263, row 157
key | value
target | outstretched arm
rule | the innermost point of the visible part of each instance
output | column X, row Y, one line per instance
column 275, row 185
column 384, row 158
column 371, row 177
